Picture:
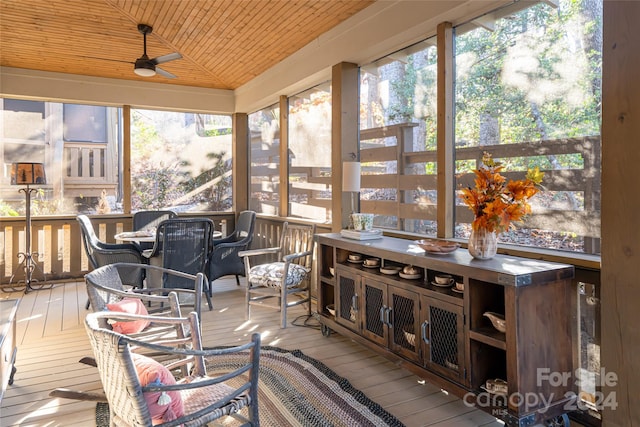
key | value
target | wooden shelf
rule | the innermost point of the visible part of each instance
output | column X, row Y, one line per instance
column 489, row 337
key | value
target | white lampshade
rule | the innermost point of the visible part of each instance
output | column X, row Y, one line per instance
column 351, row 176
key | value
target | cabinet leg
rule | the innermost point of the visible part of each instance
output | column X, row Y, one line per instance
column 559, row 421
column 13, row 372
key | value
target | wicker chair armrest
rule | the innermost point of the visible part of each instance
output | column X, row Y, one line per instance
column 145, row 295
column 291, row 257
column 150, row 253
column 254, row 252
column 231, row 238
column 239, row 244
column 184, row 351
column 148, row 267
column 157, row 294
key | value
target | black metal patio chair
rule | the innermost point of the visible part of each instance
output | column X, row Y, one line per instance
column 224, row 259
column 182, row 244
column 149, row 220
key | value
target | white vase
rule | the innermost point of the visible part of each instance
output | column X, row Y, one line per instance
column 483, row 244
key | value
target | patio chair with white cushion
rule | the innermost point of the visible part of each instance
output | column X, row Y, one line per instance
column 289, row 275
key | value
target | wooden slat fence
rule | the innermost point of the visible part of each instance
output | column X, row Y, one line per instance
column 57, row 240
column 396, row 200
column 309, row 187
column 90, row 168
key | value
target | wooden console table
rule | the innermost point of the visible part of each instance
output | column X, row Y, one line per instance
column 443, row 336
column 8, row 349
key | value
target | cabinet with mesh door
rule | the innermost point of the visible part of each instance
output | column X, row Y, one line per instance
column 442, row 338
column 380, row 312
column 447, row 335
column 346, row 296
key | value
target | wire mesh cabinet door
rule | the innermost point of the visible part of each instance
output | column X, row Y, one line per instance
column 375, row 311
column 442, row 337
column 403, row 321
column 347, row 302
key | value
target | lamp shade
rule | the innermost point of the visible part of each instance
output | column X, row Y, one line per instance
column 27, row 174
column 351, row 176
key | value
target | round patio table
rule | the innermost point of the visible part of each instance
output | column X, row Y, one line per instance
column 148, row 236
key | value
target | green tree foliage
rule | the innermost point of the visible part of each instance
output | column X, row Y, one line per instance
column 216, row 183
column 533, row 73
column 163, row 170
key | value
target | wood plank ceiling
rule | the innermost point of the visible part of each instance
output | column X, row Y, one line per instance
column 224, row 43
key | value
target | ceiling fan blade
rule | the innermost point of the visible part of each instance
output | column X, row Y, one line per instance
column 164, row 73
column 166, row 58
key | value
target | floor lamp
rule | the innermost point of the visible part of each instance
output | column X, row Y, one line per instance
column 28, row 174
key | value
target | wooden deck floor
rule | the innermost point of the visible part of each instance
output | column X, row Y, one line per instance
column 51, row 340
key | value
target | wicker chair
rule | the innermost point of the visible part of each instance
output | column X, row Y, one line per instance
column 289, row 274
column 100, row 253
column 205, row 398
column 182, row 244
column 145, row 220
column 224, row 259
column 104, row 286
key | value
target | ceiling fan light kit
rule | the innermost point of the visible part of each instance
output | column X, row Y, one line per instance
column 146, row 67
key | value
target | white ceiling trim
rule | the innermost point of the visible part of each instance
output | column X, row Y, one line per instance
column 32, row 84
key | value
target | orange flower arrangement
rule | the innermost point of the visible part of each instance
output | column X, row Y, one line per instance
column 496, row 202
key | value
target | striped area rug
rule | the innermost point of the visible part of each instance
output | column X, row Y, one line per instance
column 297, row 390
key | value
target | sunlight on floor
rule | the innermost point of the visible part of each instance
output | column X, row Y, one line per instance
column 26, row 319
column 50, row 408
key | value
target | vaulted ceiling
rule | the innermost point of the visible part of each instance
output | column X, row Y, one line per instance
column 223, row 43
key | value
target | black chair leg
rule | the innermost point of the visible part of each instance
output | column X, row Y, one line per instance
column 237, row 280
column 207, row 293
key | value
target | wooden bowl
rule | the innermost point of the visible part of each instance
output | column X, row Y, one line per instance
column 434, row 246
column 331, row 308
column 497, row 320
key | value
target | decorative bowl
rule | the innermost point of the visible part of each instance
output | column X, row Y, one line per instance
column 355, row 258
column 409, row 335
column 497, row 320
column 410, row 270
column 331, row 308
column 449, row 364
column 390, row 269
column 371, row 262
column 434, row 246
column 497, row 386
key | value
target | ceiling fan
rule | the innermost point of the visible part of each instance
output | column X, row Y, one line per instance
column 146, row 67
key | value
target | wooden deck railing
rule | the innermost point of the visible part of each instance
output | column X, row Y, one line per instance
column 61, row 256
column 90, row 168
column 57, row 241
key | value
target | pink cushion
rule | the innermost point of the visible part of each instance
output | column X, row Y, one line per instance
column 163, row 406
column 131, row 306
